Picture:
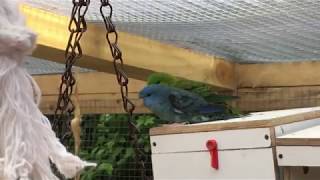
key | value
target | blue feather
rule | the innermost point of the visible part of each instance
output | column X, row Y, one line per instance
column 208, row 109
column 177, row 105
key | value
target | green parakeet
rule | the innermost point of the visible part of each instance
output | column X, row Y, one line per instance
column 201, row 89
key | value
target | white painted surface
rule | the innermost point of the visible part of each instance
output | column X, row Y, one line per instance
column 268, row 115
column 310, row 133
column 254, row 164
column 229, row 139
column 298, row 156
column 294, row 127
column 243, row 153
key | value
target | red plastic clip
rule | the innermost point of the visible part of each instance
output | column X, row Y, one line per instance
column 213, row 149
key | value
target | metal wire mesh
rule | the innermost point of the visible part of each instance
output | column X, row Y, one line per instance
column 104, row 140
column 245, row 31
column 37, row 66
column 104, row 136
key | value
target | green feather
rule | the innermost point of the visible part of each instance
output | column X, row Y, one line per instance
column 161, row 78
column 198, row 88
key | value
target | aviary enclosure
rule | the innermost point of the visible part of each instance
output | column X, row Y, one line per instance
column 93, row 58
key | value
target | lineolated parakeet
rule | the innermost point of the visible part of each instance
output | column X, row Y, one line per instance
column 201, row 89
column 178, row 105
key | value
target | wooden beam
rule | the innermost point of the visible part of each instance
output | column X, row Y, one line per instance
column 142, row 56
column 266, row 99
column 98, row 93
column 298, row 142
column 256, row 120
column 304, row 73
column 88, row 83
column 95, row 104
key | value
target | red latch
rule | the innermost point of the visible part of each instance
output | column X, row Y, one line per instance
column 213, row 149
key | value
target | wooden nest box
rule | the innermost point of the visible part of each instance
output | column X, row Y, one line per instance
column 246, row 148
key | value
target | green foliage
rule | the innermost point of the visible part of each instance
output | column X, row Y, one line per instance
column 106, row 143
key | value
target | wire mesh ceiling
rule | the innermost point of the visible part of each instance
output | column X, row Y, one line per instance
column 37, row 66
column 246, row 31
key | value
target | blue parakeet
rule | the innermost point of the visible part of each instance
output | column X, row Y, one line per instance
column 177, row 105
column 201, row 89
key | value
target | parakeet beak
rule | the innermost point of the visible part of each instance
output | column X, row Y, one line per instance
column 141, row 95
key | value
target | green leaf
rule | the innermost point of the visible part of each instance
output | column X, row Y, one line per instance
column 122, row 140
column 100, row 154
column 94, row 151
column 148, row 123
column 110, row 144
column 121, row 162
column 140, row 123
column 101, row 140
column 84, row 154
column 105, row 167
column 147, row 148
column 89, row 174
column 116, row 151
column 129, row 153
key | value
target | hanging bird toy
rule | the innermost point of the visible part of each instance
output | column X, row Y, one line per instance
column 27, row 142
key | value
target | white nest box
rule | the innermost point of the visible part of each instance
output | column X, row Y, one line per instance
column 241, row 148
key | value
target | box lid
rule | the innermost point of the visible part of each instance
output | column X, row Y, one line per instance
column 253, row 120
column 300, row 148
column 306, row 137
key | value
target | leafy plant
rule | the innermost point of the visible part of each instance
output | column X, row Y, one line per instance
column 106, row 142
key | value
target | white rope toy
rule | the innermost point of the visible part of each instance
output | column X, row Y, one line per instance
column 27, row 141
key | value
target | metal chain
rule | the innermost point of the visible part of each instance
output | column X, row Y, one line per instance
column 122, row 78
column 77, row 26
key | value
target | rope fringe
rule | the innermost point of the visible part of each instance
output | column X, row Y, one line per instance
column 27, row 141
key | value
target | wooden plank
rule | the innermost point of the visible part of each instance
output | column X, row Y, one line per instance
column 95, row 103
column 298, row 155
column 98, row 93
column 286, row 173
column 265, row 99
column 272, row 138
column 246, row 138
column 302, row 173
column 88, row 83
column 142, row 56
column 305, row 137
column 258, row 99
column 255, row 120
column 298, row 142
column 235, row 164
column 304, row 73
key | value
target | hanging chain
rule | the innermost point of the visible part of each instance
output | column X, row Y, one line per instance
column 122, row 78
column 77, row 26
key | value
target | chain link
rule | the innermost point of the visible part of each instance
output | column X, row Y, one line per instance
column 122, row 78
column 77, row 26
